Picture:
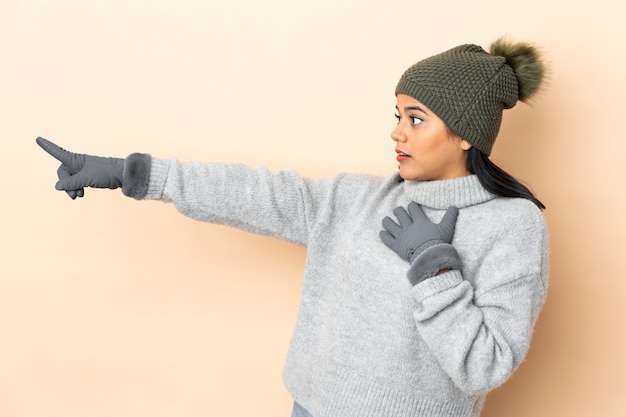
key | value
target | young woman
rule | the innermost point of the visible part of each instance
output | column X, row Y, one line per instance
column 421, row 289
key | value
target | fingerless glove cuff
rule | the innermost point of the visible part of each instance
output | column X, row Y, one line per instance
column 136, row 175
column 432, row 260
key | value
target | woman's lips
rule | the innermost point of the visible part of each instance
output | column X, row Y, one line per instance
column 402, row 156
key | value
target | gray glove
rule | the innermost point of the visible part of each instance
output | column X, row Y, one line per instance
column 422, row 243
column 78, row 170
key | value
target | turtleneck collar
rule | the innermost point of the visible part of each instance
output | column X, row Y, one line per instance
column 460, row 192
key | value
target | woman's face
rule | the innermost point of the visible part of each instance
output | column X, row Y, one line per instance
column 427, row 150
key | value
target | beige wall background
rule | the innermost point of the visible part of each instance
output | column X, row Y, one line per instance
column 113, row 307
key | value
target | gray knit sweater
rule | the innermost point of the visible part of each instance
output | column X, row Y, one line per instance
column 366, row 343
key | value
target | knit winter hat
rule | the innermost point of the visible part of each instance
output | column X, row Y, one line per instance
column 469, row 88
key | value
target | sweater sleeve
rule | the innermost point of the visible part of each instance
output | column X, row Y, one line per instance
column 479, row 325
column 278, row 204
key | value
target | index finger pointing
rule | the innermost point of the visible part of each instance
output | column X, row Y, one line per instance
column 67, row 158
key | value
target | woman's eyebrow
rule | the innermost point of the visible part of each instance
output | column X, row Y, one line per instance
column 418, row 108
column 410, row 108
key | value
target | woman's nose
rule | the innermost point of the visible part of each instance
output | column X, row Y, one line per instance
column 397, row 135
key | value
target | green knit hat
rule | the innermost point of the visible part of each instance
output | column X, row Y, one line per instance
column 469, row 88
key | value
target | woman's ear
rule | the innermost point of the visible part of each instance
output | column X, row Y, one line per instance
column 465, row 145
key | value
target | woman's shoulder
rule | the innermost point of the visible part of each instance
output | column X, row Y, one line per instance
column 520, row 209
column 360, row 182
column 509, row 215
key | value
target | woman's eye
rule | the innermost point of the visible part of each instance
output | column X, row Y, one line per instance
column 414, row 119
